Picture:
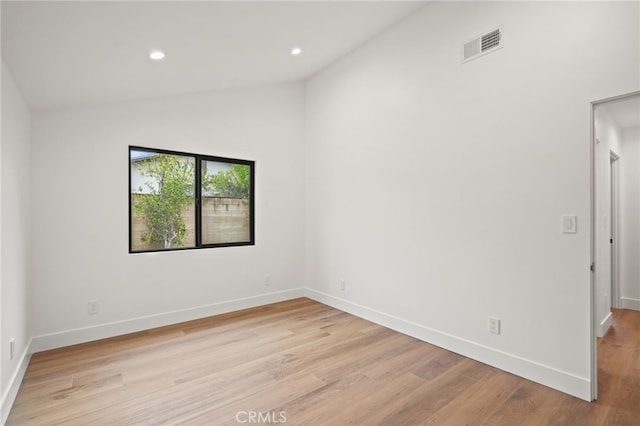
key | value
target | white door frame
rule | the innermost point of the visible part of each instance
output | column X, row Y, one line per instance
column 614, row 215
column 594, row 323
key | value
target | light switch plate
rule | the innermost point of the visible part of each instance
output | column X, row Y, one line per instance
column 569, row 224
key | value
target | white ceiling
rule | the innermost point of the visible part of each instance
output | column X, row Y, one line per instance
column 64, row 54
column 625, row 111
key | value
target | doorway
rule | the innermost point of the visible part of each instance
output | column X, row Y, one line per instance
column 615, row 239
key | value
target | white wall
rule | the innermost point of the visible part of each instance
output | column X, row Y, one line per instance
column 14, row 248
column 436, row 189
column 608, row 139
column 630, row 219
column 80, row 225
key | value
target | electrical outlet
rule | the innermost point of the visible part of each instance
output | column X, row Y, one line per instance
column 12, row 348
column 494, row 325
column 343, row 284
column 93, row 307
column 267, row 280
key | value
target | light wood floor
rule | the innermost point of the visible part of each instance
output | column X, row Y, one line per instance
column 315, row 365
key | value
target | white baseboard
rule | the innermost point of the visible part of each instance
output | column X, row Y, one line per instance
column 605, row 324
column 629, row 303
column 9, row 396
column 563, row 381
column 102, row 331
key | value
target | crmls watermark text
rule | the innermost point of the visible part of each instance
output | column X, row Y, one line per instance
column 273, row 417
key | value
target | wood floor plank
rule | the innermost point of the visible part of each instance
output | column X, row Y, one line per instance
column 415, row 353
column 317, row 366
column 624, row 410
column 570, row 411
column 42, row 412
column 433, row 395
column 264, row 400
column 388, row 400
column 311, row 408
column 479, row 400
column 522, row 407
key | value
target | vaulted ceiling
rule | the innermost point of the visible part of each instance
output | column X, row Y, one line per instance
column 74, row 53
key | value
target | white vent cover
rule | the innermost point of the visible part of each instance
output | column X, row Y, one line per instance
column 480, row 46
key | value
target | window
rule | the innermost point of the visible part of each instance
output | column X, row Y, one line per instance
column 185, row 201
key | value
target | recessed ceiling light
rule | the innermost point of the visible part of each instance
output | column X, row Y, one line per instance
column 156, row 55
column 296, row 51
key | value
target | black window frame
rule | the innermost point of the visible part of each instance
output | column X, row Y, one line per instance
column 198, row 158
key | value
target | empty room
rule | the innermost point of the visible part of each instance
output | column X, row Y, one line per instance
column 320, row 212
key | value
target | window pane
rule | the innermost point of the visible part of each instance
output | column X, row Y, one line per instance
column 226, row 212
column 162, row 201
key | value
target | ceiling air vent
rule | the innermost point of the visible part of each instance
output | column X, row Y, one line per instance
column 482, row 45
